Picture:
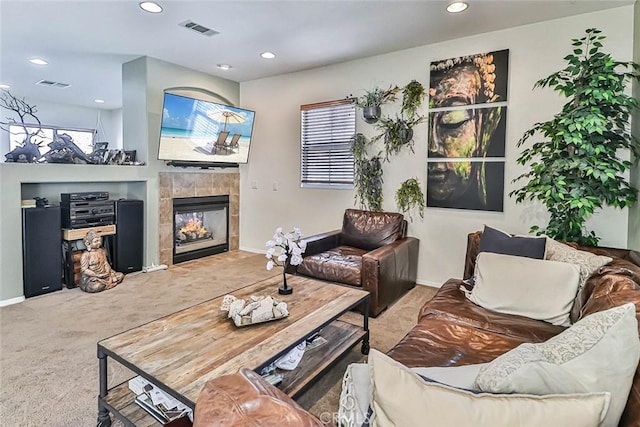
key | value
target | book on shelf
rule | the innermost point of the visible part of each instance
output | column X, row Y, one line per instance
column 160, row 405
column 145, row 403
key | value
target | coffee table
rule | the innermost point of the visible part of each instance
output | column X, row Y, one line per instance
column 180, row 352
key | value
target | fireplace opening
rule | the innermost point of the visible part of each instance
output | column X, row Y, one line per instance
column 200, row 227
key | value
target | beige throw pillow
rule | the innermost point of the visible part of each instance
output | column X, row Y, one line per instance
column 402, row 398
column 598, row 353
column 534, row 288
column 587, row 262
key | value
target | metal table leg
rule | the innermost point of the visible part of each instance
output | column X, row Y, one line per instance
column 104, row 420
column 365, row 314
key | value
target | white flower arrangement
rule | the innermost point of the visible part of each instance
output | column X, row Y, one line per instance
column 285, row 249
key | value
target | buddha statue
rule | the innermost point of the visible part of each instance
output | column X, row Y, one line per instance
column 97, row 274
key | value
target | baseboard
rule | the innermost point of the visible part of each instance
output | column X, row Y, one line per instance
column 255, row 251
column 11, row 301
column 428, row 283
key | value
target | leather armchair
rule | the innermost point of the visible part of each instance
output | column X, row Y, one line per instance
column 371, row 252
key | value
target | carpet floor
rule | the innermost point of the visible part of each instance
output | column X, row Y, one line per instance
column 48, row 363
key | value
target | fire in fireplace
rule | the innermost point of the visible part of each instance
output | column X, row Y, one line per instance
column 201, row 227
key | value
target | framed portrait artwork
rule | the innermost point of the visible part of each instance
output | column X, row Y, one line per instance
column 467, row 131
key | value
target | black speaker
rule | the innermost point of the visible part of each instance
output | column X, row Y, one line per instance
column 41, row 250
column 129, row 238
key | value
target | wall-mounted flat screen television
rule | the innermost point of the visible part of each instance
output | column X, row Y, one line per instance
column 197, row 131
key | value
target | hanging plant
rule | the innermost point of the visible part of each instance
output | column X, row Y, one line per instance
column 576, row 169
column 397, row 134
column 371, row 101
column 359, row 144
column 412, row 96
column 367, row 179
column 410, row 196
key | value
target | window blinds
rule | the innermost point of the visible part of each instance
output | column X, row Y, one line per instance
column 326, row 132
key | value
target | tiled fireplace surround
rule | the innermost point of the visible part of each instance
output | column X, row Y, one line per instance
column 176, row 184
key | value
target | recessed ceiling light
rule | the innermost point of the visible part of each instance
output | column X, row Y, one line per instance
column 224, row 66
column 268, row 55
column 5, row 87
column 99, row 101
column 457, row 6
column 150, row 7
column 38, row 61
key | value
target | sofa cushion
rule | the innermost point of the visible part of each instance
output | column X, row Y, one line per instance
column 598, row 353
column 370, row 230
column 342, row 264
column 538, row 289
column 401, row 398
column 500, row 242
column 587, row 262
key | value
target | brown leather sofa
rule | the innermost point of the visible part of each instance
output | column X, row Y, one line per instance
column 451, row 330
column 371, row 251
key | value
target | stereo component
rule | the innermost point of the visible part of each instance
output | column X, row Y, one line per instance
column 66, row 198
column 81, row 210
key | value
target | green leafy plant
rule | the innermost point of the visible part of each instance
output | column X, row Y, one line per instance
column 412, row 96
column 396, row 134
column 410, row 196
column 376, row 97
column 367, row 180
column 575, row 170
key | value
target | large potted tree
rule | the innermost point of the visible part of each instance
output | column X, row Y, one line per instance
column 576, row 167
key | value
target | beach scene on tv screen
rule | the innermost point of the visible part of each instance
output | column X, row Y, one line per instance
column 202, row 131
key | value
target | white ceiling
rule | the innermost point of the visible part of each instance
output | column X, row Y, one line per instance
column 87, row 41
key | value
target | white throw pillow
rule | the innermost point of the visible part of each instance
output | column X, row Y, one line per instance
column 585, row 261
column 402, row 398
column 598, row 353
column 534, row 288
column 355, row 396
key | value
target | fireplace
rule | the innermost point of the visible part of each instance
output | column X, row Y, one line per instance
column 200, row 227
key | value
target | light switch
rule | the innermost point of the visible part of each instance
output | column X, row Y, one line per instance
column 276, row 185
column 254, row 185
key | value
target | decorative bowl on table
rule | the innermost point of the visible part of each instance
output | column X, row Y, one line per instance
column 258, row 309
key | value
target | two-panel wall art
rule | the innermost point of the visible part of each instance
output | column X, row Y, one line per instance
column 467, row 126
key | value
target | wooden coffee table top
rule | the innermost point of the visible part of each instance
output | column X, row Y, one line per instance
column 184, row 350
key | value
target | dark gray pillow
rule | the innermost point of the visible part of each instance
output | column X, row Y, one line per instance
column 499, row 242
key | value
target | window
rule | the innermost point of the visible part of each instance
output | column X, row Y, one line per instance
column 83, row 138
column 327, row 130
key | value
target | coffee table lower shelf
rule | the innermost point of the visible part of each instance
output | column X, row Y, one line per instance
column 341, row 337
column 120, row 402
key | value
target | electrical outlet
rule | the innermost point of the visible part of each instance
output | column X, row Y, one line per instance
column 254, row 185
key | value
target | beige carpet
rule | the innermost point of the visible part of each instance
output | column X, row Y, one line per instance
column 48, row 363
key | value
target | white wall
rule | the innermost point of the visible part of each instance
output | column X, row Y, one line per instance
column 535, row 52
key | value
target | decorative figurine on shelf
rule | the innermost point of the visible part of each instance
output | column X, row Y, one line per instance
column 97, row 274
column 290, row 247
column 29, row 150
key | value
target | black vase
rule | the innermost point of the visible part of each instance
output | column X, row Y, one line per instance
column 284, row 289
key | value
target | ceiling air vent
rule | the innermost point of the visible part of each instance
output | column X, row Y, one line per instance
column 49, row 83
column 198, row 28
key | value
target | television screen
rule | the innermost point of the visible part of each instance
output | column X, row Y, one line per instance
column 194, row 130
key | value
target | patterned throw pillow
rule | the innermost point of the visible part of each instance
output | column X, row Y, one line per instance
column 599, row 353
column 585, row 261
